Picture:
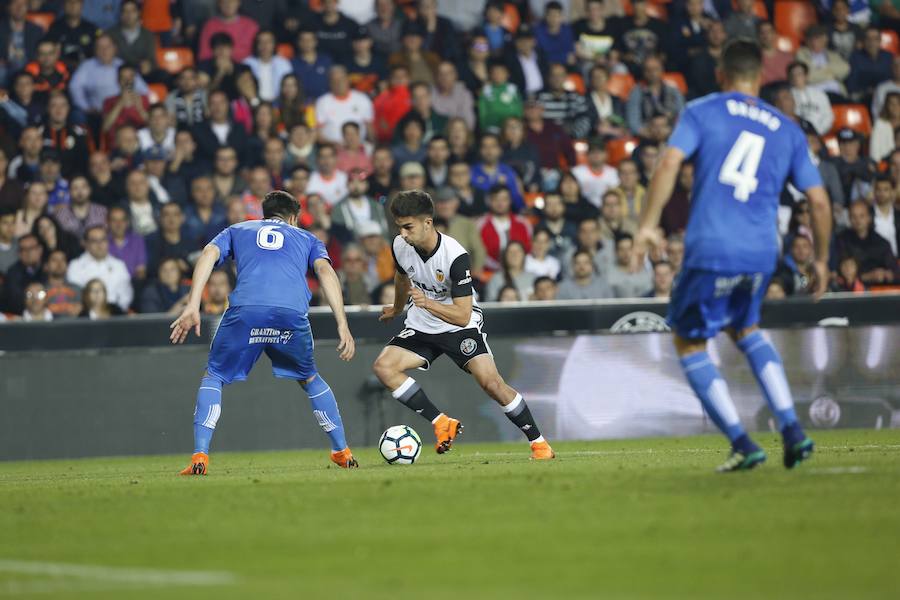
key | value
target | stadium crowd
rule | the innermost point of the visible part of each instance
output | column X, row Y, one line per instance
column 132, row 132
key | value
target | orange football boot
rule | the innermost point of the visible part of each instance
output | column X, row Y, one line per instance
column 541, row 451
column 344, row 459
column 199, row 463
column 445, row 430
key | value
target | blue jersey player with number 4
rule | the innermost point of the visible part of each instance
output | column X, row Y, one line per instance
column 744, row 151
column 267, row 312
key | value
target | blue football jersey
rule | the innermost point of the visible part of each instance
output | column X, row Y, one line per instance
column 272, row 258
column 744, row 150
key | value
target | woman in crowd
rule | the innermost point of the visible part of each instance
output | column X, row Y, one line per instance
column 882, row 142
column 512, row 273
column 268, row 68
column 521, row 154
column 291, row 104
column 539, row 262
column 53, row 237
column 474, row 72
column 94, row 303
column 460, row 141
column 577, row 206
column 248, row 99
column 33, row 206
column 167, row 294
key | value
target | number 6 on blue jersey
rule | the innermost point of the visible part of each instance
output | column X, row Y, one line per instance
column 269, row 238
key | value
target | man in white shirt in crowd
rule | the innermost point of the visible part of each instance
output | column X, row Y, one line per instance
column 886, row 87
column 887, row 217
column 340, row 105
column 327, row 180
column 812, row 104
column 96, row 263
column 596, row 177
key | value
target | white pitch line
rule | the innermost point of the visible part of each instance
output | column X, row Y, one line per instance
column 117, row 574
column 838, row 470
column 681, row 450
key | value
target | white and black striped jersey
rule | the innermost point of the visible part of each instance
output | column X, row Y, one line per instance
column 443, row 275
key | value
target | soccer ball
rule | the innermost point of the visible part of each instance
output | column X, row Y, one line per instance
column 400, row 445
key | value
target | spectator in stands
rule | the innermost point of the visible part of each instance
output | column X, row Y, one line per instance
column 596, row 177
column 221, row 71
column 461, row 228
column 675, row 214
column 461, row 141
column 491, row 172
column 365, row 68
column 811, row 103
column 551, row 140
column 33, row 206
column 291, row 105
column 701, row 75
column 856, row 171
column 204, row 217
column 170, row 241
column 26, row 166
column 843, row 35
column 22, row 108
column 53, row 237
column 584, row 283
column 310, row 65
column 500, row 226
column 827, row 70
column 48, row 72
column 613, row 220
column 449, row 96
column 527, row 66
column 235, row 211
column 340, row 105
column 355, row 279
column 70, row 140
column 554, row 36
column 847, row 279
column 886, row 212
column 11, row 191
column 107, row 188
column 577, row 206
column 136, row 44
column 887, row 14
column 63, row 298
column 774, row 61
column 742, row 22
column 219, row 130
column 51, row 175
column 544, row 289
column 421, row 63
column 378, row 254
column 334, row 31
column 663, row 277
column 652, row 96
column 301, row 146
column 512, row 274
column 126, row 154
column 474, row 72
column 471, row 199
column 383, row 179
column 499, row 99
column 217, row 290
column 675, row 251
column 158, row 133
column 562, row 231
column 410, row 146
column 392, row 104
column 521, row 154
column 606, row 112
column 167, row 294
column 435, row 123
column 437, row 157
column 883, row 133
column 187, row 102
column 165, row 185
column 9, row 246
column 126, row 244
column 869, row 66
column 886, row 87
column 412, row 177
column 258, row 185
column 796, row 268
column 35, row 303
column 18, row 39
column 326, row 180
column 640, row 37
column 80, row 213
column 630, row 188
column 96, row 262
column 624, row 282
column 568, row 109
column 23, row 272
column 688, row 33
column 241, row 29
column 98, row 78
column 242, row 106
column 539, row 262
column 95, row 304
column 354, row 153
column 357, row 208
column 143, row 208
column 386, row 28
column 595, row 34
column 877, row 264
column 268, row 68
column 497, row 35
column 74, row 34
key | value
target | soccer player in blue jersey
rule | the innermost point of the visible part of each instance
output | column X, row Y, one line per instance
column 744, row 151
column 267, row 313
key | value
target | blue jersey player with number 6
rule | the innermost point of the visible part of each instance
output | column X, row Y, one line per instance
column 744, row 151
column 267, row 313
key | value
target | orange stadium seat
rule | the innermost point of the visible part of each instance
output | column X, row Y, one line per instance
column 619, row 149
column 158, row 92
column 890, row 41
column 41, row 19
column 156, row 16
column 676, row 79
column 574, row 83
column 854, row 116
column 792, row 17
column 620, row 84
column 285, row 50
column 511, row 18
column 655, row 8
column 174, row 60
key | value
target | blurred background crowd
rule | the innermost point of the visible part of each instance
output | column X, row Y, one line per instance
column 131, row 133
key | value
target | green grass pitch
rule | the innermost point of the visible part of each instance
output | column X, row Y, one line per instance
column 615, row 519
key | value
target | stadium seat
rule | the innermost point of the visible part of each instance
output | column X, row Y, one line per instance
column 786, row 44
column 792, row 17
column 890, row 41
column 619, row 149
column 854, row 116
column 158, row 92
column 574, row 83
column 511, row 18
column 620, row 84
column 285, row 50
column 655, row 8
column 41, row 19
column 676, row 79
column 531, row 200
column 831, row 144
column 173, row 60
column 156, row 16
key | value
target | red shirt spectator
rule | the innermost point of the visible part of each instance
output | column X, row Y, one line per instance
column 241, row 29
column 391, row 104
column 500, row 226
column 128, row 108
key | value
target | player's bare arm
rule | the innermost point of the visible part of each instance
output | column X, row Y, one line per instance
column 659, row 192
column 331, row 287
column 459, row 313
column 401, row 295
column 190, row 317
column 820, row 213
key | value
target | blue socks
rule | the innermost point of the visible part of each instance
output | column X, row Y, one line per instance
column 206, row 412
column 326, row 411
column 769, row 371
column 713, row 393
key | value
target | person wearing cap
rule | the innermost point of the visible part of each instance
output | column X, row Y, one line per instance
column 526, row 62
column 810, row 103
column 412, row 176
column 365, row 68
column 450, row 97
column 379, row 259
column 268, row 67
column 827, row 70
column 855, row 169
column 51, row 176
column 357, row 209
column 421, row 63
column 499, row 98
column 462, row 229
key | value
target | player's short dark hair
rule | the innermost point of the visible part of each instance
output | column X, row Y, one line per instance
column 279, row 203
column 412, row 203
column 742, row 59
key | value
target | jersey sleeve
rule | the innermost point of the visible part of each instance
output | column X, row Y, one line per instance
column 317, row 251
column 687, row 134
column 804, row 174
column 397, row 264
column 224, row 242
column 461, row 276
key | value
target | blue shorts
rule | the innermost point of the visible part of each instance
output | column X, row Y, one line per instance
column 706, row 302
column 246, row 331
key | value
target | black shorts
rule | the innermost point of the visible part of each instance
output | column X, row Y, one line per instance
column 461, row 346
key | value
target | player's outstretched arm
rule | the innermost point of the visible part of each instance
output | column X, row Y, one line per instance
column 331, row 286
column 401, row 296
column 190, row 317
column 820, row 214
column 662, row 184
column 459, row 313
